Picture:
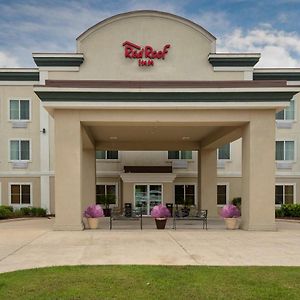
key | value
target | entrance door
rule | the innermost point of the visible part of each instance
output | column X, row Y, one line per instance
column 147, row 195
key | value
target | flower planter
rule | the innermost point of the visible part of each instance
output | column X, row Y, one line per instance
column 160, row 223
column 232, row 223
column 93, row 223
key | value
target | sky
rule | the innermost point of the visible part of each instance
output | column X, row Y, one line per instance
column 271, row 27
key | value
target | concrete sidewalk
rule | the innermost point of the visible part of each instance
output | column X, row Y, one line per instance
column 32, row 243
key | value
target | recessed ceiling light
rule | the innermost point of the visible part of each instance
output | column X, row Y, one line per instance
column 113, row 137
column 185, row 138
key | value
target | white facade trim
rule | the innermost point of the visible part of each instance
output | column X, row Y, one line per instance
column 169, row 90
column 165, row 105
column 60, row 69
column 233, row 69
column 25, row 174
column 148, row 177
column 19, row 83
column 57, row 55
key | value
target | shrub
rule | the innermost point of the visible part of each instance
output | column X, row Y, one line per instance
column 237, row 202
column 40, row 212
column 18, row 213
column 291, row 210
column 279, row 213
column 10, row 208
column 26, row 211
column 5, row 213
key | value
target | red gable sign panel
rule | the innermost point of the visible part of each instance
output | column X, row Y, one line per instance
column 145, row 55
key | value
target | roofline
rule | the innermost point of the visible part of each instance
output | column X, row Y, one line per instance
column 141, row 12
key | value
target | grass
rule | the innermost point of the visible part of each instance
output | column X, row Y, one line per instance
column 152, row 282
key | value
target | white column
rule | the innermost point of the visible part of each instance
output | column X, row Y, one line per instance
column 44, row 151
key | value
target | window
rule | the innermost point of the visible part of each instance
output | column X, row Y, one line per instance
column 288, row 113
column 19, row 110
column 185, row 194
column 107, row 154
column 104, row 190
column 285, row 150
column 20, row 150
column 284, row 194
column 180, row 155
column 20, row 194
column 224, row 152
column 222, row 191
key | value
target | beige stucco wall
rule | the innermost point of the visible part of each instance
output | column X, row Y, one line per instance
column 187, row 58
column 32, row 132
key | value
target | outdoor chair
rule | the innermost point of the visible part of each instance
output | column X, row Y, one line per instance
column 192, row 215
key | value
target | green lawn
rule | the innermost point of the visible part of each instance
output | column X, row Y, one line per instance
column 152, row 282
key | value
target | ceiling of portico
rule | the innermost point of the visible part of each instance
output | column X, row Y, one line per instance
column 151, row 137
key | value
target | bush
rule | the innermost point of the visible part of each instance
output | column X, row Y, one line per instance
column 279, row 213
column 237, row 202
column 10, row 208
column 39, row 212
column 26, row 211
column 18, row 213
column 5, row 213
column 291, row 210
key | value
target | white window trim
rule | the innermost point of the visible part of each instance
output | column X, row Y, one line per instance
column 186, row 159
column 186, row 183
column 20, row 183
column 111, row 183
column 227, row 193
column 148, row 191
column 295, row 149
column 109, row 160
column 295, row 114
column 284, row 184
column 18, row 120
column 30, row 149
column 225, row 159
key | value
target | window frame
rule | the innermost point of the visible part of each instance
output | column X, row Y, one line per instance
column 284, row 184
column 117, row 190
column 108, row 159
column 19, row 140
column 19, row 99
column 20, row 204
column 184, row 184
column 225, row 159
column 295, row 150
column 227, row 193
column 284, row 114
column 180, row 156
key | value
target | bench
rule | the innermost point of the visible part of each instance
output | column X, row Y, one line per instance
column 192, row 215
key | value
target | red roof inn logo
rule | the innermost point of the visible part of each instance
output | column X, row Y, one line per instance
column 145, row 55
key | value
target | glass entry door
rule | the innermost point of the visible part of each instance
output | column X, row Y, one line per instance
column 147, row 195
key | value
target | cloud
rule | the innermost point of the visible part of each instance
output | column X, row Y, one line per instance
column 278, row 48
column 8, row 61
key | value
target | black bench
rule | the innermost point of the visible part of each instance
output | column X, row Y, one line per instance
column 192, row 215
column 136, row 214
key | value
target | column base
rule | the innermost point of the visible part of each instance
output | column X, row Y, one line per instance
column 68, row 227
column 259, row 227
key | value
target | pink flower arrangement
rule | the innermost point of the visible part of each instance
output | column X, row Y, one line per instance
column 93, row 211
column 160, row 211
column 230, row 211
